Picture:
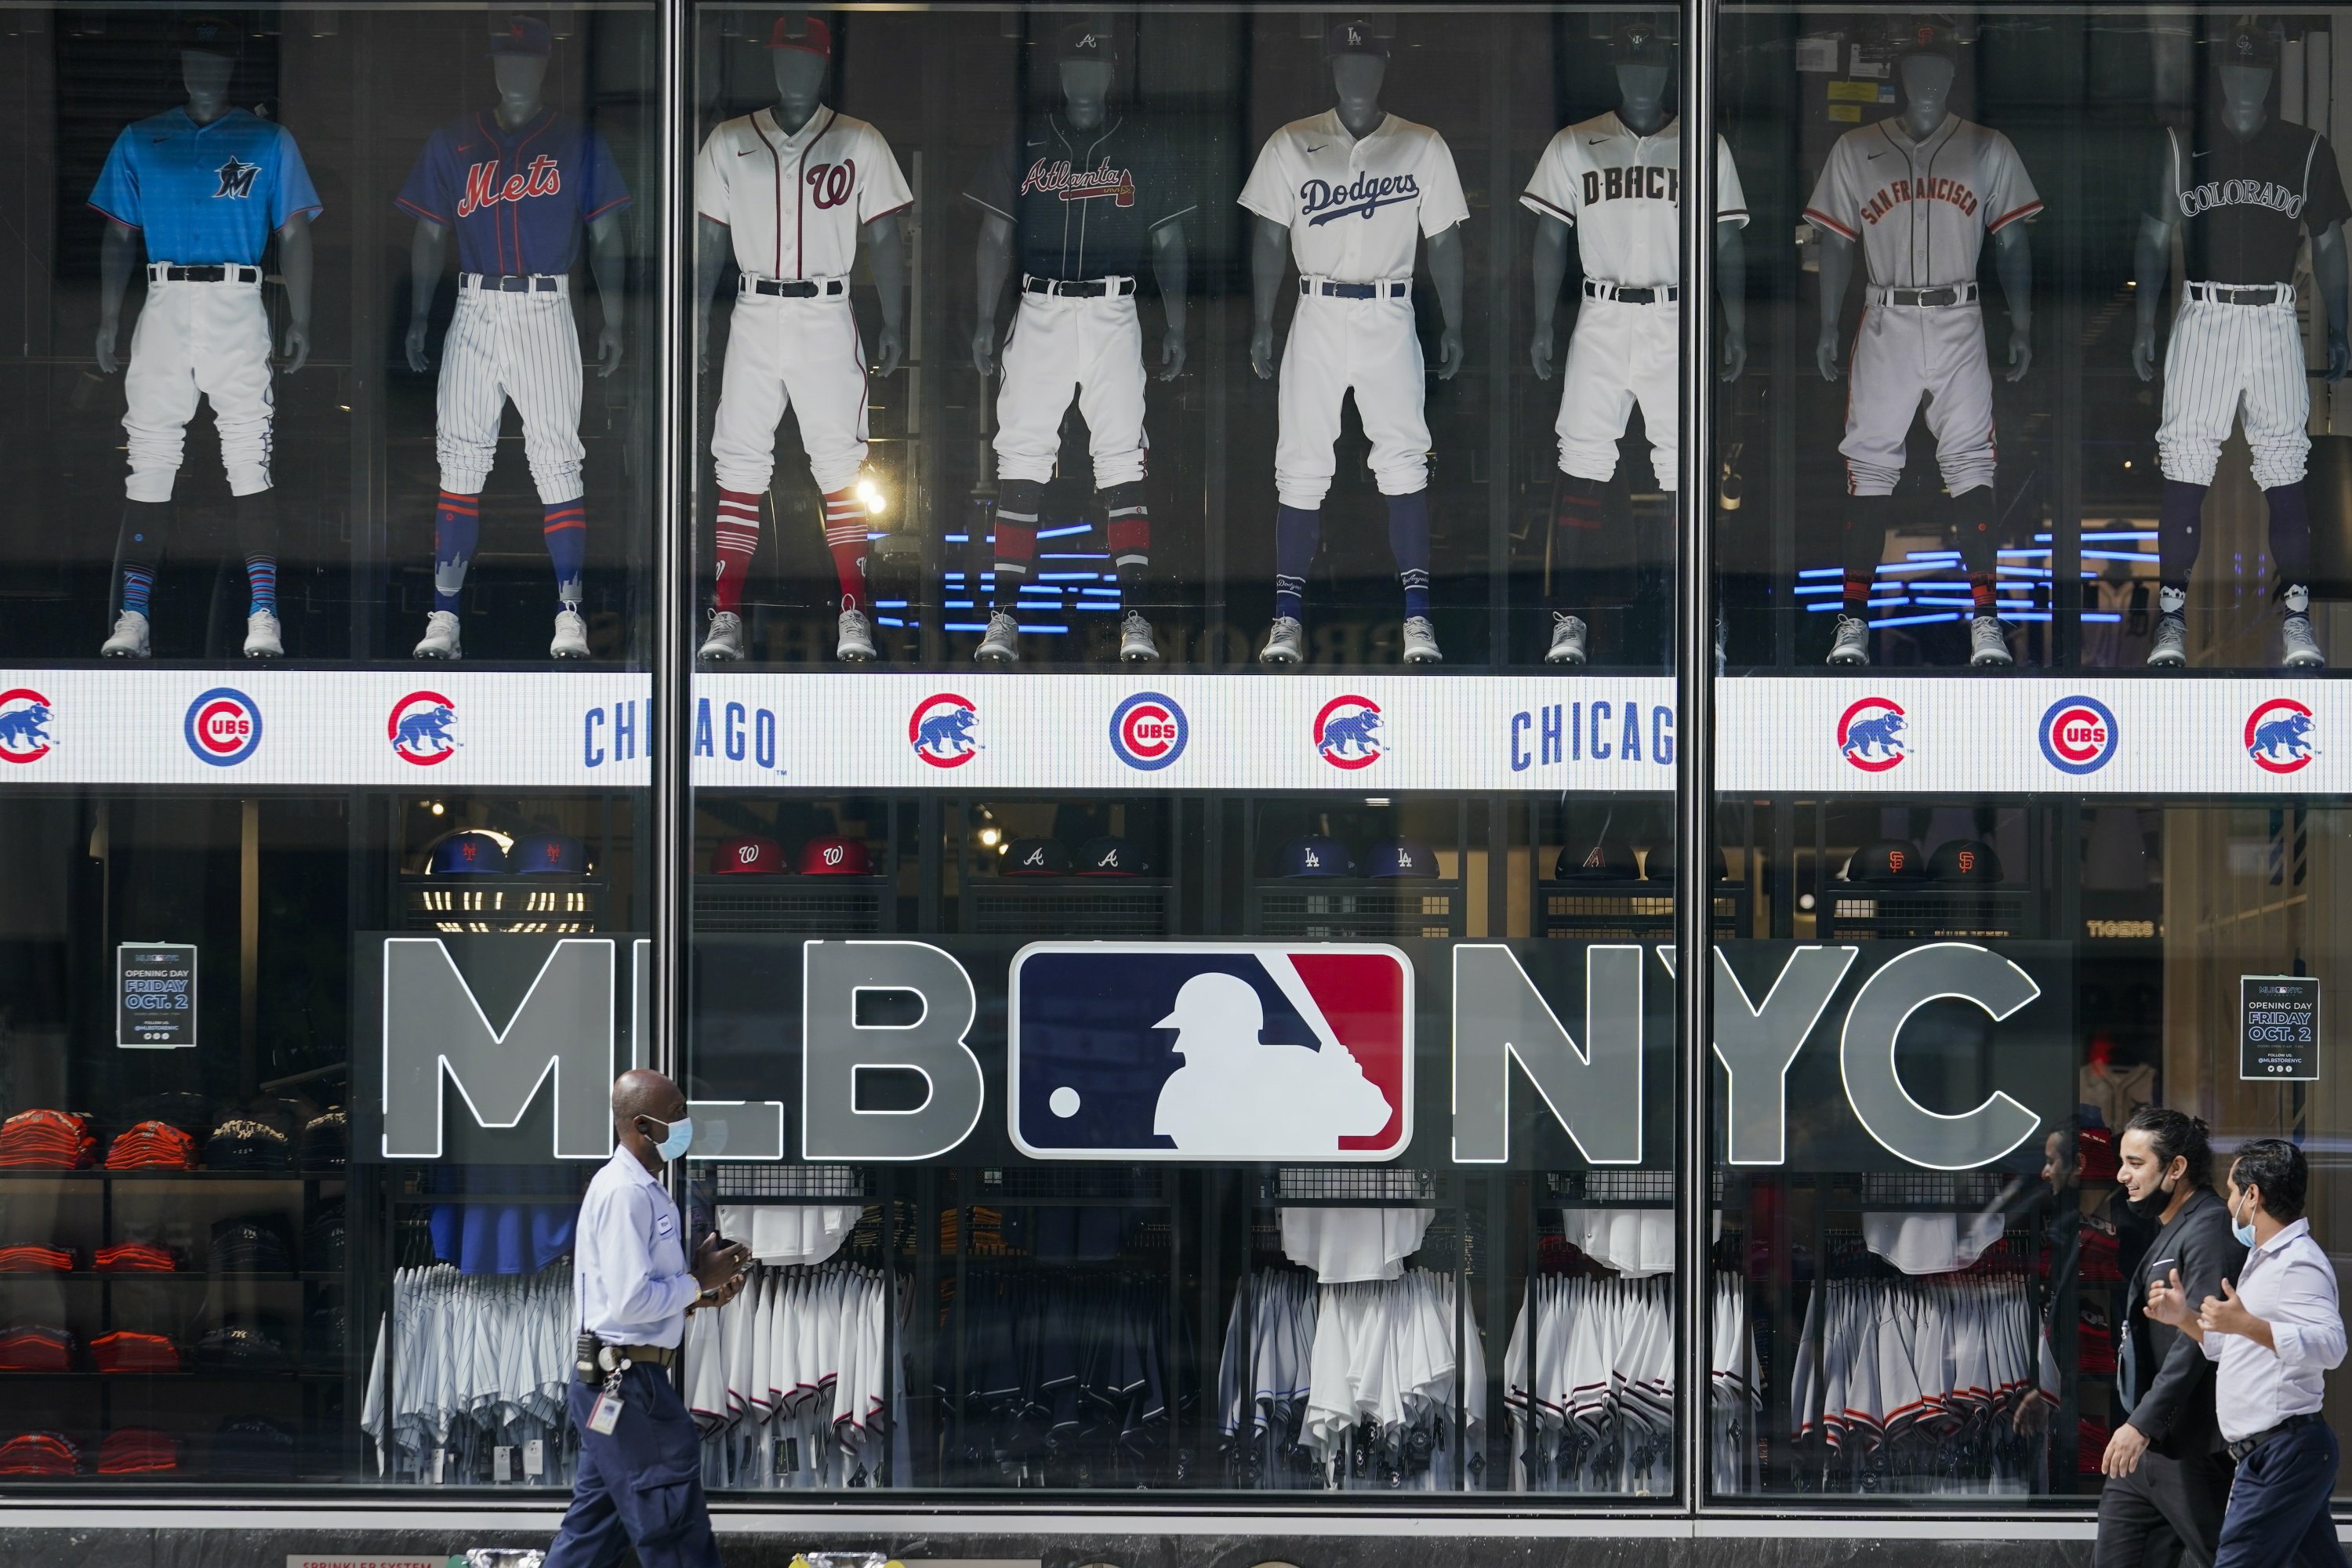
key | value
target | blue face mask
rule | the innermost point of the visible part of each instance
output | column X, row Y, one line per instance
column 681, row 1133
column 2244, row 1232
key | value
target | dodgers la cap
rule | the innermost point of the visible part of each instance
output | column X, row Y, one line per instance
column 1400, row 857
column 1312, row 855
column 1080, row 41
column 1354, row 38
column 835, row 857
column 211, row 36
column 1639, row 44
column 523, row 36
column 1034, row 857
column 749, row 856
column 2247, row 43
column 1110, row 856
column 1927, row 38
column 1887, row 860
column 549, row 855
column 1964, row 860
column 1607, row 858
column 472, row 853
column 802, row 33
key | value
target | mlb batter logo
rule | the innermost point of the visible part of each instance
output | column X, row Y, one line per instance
column 1870, row 734
column 1148, row 732
column 2279, row 736
column 24, row 725
column 2078, row 734
column 1347, row 732
column 223, row 727
column 1210, row 1051
column 419, row 729
column 944, row 730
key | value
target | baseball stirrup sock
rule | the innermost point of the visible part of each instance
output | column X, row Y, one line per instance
column 1980, row 546
column 2290, row 532
column 1128, row 525
column 257, row 525
column 1409, row 543
column 1576, row 515
column 1298, row 530
column 457, row 525
column 140, row 548
column 844, row 538
column 566, row 529
column 736, row 536
column 1865, row 543
column 2179, row 534
column 261, row 584
column 1018, row 502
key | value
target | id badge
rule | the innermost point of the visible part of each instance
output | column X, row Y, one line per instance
column 606, row 1414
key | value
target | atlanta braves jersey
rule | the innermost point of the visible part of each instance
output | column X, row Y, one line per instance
column 794, row 203
column 1624, row 193
column 1084, row 203
column 1356, row 208
column 2243, row 201
column 1921, row 209
column 516, row 198
column 205, row 195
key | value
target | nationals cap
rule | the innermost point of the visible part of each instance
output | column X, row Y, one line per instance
column 749, row 855
column 1400, row 857
column 1927, row 38
column 2247, row 43
column 1606, row 860
column 1082, row 42
column 472, row 853
column 1034, row 857
column 1353, row 38
column 1964, row 860
column 802, row 33
column 835, row 857
column 1110, row 856
column 1639, row 44
column 523, row 36
column 1311, row 855
column 1887, row 860
column 211, row 36
column 549, row 855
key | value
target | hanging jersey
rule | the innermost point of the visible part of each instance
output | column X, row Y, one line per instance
column 2242, row 202
column 205, row 195
column 516, row 198
column 1084, row 203
column 1624, row 193
column 1922, row 209
column 795, row 203
column 1355, row 209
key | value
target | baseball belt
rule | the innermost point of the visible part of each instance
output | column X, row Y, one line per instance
column 2244, row 1446
column 164, row 272
column 2229, row 294
column 784, row 289
column 1392, row 289
column 1929, row 298
column 1596, row 289
column 1079, row 288
column 511, row 282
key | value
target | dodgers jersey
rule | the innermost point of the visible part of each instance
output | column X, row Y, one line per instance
column 1623, row 194
column 205, row 195
column 795, row 203
column 1084, row 203
column 1922, row 209
column 516, row 198
column 1355, row 209
column 2243, row 201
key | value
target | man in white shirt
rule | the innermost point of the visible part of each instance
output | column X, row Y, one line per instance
column 2274, row 1339
column 640, row 1472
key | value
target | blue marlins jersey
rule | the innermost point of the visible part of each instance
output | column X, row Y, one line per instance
column 516, row 198
column 205, row 195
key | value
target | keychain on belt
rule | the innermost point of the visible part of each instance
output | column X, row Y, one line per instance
column 606, row 1413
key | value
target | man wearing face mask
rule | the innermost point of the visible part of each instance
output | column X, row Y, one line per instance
column 640, row 1472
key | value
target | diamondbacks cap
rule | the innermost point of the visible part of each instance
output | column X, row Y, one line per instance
column 1639, row 44
column 523, row 36
column 806, row 33
column 749, row 855
column 1964, row 860
column 1080, row 41
column 1658, row 864
column 1034, row 857
column 1110, row 856
column 472, row 853
column 2247, row 43
column 1312, row 855
column 549, row 855
column 211, row 36
column 1605, row 859
column 1400, row 857
column 835, row 857
column 1886, row 861
column 1927, row 38
column 1355, row 38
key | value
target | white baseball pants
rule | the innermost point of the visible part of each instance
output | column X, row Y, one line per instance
column 198, row 341
column 519, row 347
column 1337, row 346
column 1093, row 346
column 802, row 354
column 2223, row 358
column 1620, row 354
column 1904, row 354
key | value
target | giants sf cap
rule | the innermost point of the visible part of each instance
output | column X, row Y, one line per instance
column 805, row 32
column 835, row 857
column 1034, row 857
column 523, row 36
column 1353, row 38
column 1400, row 857
column 210, row 35
column 1639, row 44
column 2247, row 43
column 1110, row 856
column 549, row 855
column 1964, row 860
column 472, row 853
column 1311, row 855
column 1082, row 42
column 1927, row 38
column 749, row 855
column 1887, row 861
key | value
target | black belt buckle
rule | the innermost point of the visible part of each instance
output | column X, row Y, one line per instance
column 1638, row 296
column 195, row 274
column 1937, row 297
column 785, row 290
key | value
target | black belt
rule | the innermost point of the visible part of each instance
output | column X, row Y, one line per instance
column 170, row 274
column 1079, row 288
column 1595, row 289
column 2239, row 1449
column 783, row 290
column 1355, row 290
column 1932, row 298
column 638, row 1355
column 2216, row 294
column 510, row 282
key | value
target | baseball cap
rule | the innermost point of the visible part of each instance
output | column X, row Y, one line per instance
column 802, row 33
column 1886, row 860
column 1927, row 39
column 1034, row 857
column 1312, row 855
column 835, row 857
column 1110, row 856
column 1658, row 864
column 523, row 36
column 1639, row 44
column 749, row 855
column 549, row 855
column 472, row 853
column 1606, row 860
column 1081, row 42
column 1400, row 857
column 2247, row 43
column 1355, row 38
column 1964, row 860
column 211, row 36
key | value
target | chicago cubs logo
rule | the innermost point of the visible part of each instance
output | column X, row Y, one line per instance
column 2078, row 735
column 236, row 180
column 1873, row 725
column 1347, row 732
column 24, row 726
column 419, row 728
column 2278, row 736
column 830, row 184
column 1148, row 732
column 223, row 727
column 944, row 730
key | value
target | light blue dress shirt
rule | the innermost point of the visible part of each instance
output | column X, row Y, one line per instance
column 2288, row 1283
column 628, row 1269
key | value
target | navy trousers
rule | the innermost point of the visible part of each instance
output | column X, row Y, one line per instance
column 641, row 1486
column 2278, row 1513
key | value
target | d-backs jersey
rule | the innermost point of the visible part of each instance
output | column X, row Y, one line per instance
column 1624, row 193
column 516, row 198
column 205, row 195
column 1084, row 203
column 1353, row 207
column 795, row 203
column 2242, row 201
column 1922, row 209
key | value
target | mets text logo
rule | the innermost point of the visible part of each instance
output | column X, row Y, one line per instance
column 2278, row 736
column 1149, row 730
column 419, row 727
column 830, row 184
column 944, row 730
column 2078, row 735
column 223, row 727
column 1347, row 732
column 1870, row 734
column 24, row 726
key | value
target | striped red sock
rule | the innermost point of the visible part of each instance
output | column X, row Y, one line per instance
column 736, row 537
column 845, row 537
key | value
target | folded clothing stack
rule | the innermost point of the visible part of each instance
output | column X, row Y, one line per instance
column 150, row 1145
column 36, row 1258
column 322, row 1236
column 252, row 1448
column 36, row 1347
column 137, row 1451
column 127, row 1351
column 41, row 1453
column 46, row 1141
column 254, row 1345
column 327, row 1141
column 251, row 1244
column 243, row 1144
column 135, row 1257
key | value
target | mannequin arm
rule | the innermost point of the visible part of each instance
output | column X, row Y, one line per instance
column 1731, row 293
column 294, row 264
column 2152, row 270
column 116, row 253
column 608, row 260
column 2012, row 258
column 714, row 248
column 1445, row 272
column 1171, row 262
column 991, row 262
column 1269, row 256
column 425, row 250
column 1550, row 268
column 888, row 257
column 1837, row 272
column 2328, row 266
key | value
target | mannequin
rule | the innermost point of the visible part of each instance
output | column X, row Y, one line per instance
column 1922, row 335
column 794, row 338
column 2235, row 338
column 518, row 184
column 1083, row 196
column 203, row 332
column 1343, row 193
column 1626, row 347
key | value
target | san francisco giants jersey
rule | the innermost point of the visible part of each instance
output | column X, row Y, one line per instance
column 516, row 198
column 1922, row 209
column 795, row 203
column 2243, row 201
column 1084, row 203
column 1355, row 209
column 1624, row 193
column 205, row 195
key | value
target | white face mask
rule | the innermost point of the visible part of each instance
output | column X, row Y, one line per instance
column 681, row 1134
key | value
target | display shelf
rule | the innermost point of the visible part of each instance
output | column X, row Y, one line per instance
column 143, row 1276
column 99, row 1173
column 194, row 1374
column 1359, row 908
column 1056, row 906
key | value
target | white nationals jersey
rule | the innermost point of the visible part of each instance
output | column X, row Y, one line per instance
column 795, row 203
column 1624, row 193
column 1922, row 209
column 1355, row 209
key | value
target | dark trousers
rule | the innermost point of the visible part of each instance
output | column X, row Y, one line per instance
column 641, row 1486
column 2171, row 1504
column 2278, row 1505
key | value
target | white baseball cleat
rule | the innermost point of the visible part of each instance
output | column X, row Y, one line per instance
column 854, row 642
column 1000, row 644
column 1851, row 643
column 1988, row 644
column 1567, row 639
column 130, row 639
column 261, row 638
column 571, row 636
column 724, row 642
column 2299, row 649
column 1135, row 644
column 2169, row 648
column 1285, row 642
column 1421, row 641
column 441, row 638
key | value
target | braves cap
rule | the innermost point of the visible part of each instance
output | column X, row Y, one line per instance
column 1034, row 857
column 2248, row 43
column 1110, row 856
column 549, row 855
column 1081, row 42
column 1887, row 860
column 1927, row 38
column 211, row 36
column 749, row 855
column 1353, row 38
column 1311, row 855
column 1639, row 44
column 523, row 36
column 802, row 33
column 1400, row 857
column 1606, row 860
column 1964, row 860
column 472, row 853
column 835, row 857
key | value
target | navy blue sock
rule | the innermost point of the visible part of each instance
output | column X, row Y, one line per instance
column 1298, row 530
column 144, row 524
column 1409, row 543
column 2290, row 534
column 2179, row 537
column 566, row 533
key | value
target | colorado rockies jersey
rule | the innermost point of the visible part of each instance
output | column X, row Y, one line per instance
column 1922, row 209
column 1624, row 193
column 2242, row 201
column 205, row 195
column 795, row 202
column 516, row 198
column 1355, row 209
column 1084, row 203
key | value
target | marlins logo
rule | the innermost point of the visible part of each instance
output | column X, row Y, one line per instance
column 1870, row 734
column 236, row 180
column 944, row 730
column 1347, row 732
column 1210, row 1051
column 2278, row 736
column 419, row 729
column 2078, row 734
column 223, row 727
column 1148, row 731
column 24, row 725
